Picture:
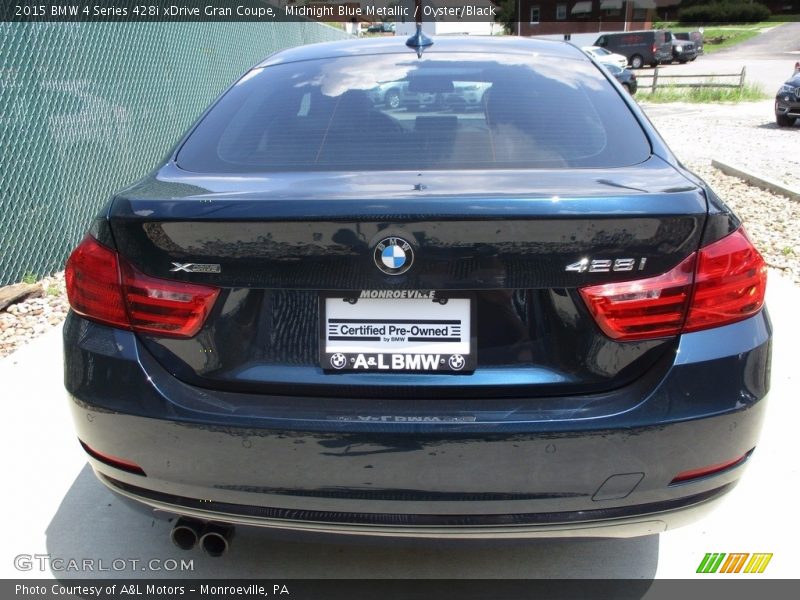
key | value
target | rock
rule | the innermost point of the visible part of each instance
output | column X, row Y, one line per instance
column 11, row 294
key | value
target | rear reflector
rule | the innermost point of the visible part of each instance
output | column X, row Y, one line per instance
column 710, row 469
column 113, row 461
column 103, row 287
column 723, row 283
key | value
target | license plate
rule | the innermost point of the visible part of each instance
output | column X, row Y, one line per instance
column 397, row 331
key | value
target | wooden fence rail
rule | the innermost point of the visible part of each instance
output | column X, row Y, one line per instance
column 708, row 80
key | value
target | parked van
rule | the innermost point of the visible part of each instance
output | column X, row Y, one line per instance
column 646, row 47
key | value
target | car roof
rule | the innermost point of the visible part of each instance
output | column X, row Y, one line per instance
column 628, row 32
column 397, row 45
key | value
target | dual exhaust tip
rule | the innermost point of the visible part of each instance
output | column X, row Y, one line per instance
column 213, row 538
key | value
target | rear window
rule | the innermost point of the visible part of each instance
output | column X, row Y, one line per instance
column 398, row 112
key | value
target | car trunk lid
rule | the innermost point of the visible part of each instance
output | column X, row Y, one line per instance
column 278, row 247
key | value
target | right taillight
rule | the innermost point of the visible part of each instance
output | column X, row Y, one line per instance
column 722, row 283
column 104, row 287
column 729, row 285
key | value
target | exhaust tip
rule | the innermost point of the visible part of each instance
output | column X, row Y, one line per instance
column 216, row 539
column 186, row 533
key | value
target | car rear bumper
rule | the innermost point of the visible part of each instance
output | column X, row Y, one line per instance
column 644, row 520
column 374, row 468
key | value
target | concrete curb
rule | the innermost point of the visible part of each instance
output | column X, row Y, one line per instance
column 757, row 180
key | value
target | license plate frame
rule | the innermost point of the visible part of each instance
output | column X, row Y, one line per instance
column 433, row 350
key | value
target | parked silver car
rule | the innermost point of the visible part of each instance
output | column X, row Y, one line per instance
column 604, row 56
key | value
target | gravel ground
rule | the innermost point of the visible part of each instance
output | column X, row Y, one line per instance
column 743, row 134
column 770, row 219
column 23, row 321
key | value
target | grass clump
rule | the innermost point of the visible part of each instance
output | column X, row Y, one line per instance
column 702, row 95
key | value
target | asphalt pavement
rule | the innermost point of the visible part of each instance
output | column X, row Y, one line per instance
column 769, row 59
column 776, row 43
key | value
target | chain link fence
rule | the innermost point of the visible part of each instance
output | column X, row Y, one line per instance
column 86, row 108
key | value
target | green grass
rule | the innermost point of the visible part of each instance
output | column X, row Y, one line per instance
column 784, row 18
column 52, row 290
column 748, row 93
column 29, row 278
column 729, row 36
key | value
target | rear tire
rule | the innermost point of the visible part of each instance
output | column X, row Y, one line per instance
column 636, row 61
column 784, row 121
column 627, row 87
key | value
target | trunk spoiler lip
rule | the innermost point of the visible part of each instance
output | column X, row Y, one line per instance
column 640, row 190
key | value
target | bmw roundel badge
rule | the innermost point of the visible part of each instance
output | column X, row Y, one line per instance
column 394, row 255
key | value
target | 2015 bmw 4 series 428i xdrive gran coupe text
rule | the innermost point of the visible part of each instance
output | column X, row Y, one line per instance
column 324, row 314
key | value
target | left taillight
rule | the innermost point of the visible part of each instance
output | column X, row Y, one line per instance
column 104, row 287
column 165, row 307
column 93, row 284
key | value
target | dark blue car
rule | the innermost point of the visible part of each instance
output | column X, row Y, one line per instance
column 524, row 320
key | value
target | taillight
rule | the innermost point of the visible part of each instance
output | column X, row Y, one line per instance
column 654, row 49
column 730, row 283
column 103, row 287
column 93, row 287
column 722, row 283
column 165, row 307
column 644, row 308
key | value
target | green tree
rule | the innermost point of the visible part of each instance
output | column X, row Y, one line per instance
column 507, row 15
